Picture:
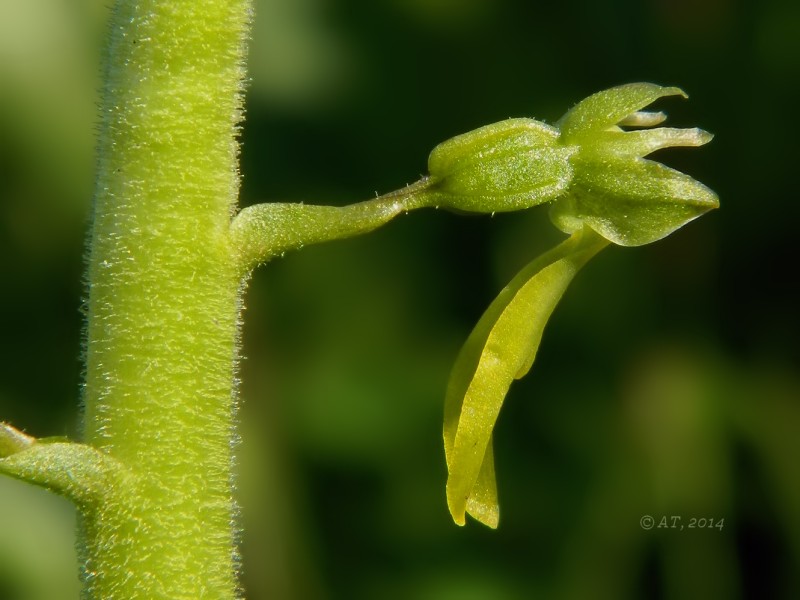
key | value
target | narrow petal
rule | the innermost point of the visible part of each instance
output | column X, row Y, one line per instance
column 500, row 349
column 607, row 108
column 629, row 144
column 632, row 202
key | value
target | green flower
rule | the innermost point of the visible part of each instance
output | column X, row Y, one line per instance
column 624, row 197
column 592, row 170
column 602, row 190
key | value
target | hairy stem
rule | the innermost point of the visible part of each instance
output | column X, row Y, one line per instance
column 166, row 265
column 163, row 303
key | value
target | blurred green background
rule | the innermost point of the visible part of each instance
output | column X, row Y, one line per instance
column 667, row 383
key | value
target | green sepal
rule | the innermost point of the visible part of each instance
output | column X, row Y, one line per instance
column 81, row 473
column 610, row 107
column 631, row 202
column 501, row 348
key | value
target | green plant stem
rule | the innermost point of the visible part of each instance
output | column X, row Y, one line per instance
column 163, row 303
column 165, row 275
column 166, row 269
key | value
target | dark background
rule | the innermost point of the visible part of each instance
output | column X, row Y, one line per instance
column 667, row 382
